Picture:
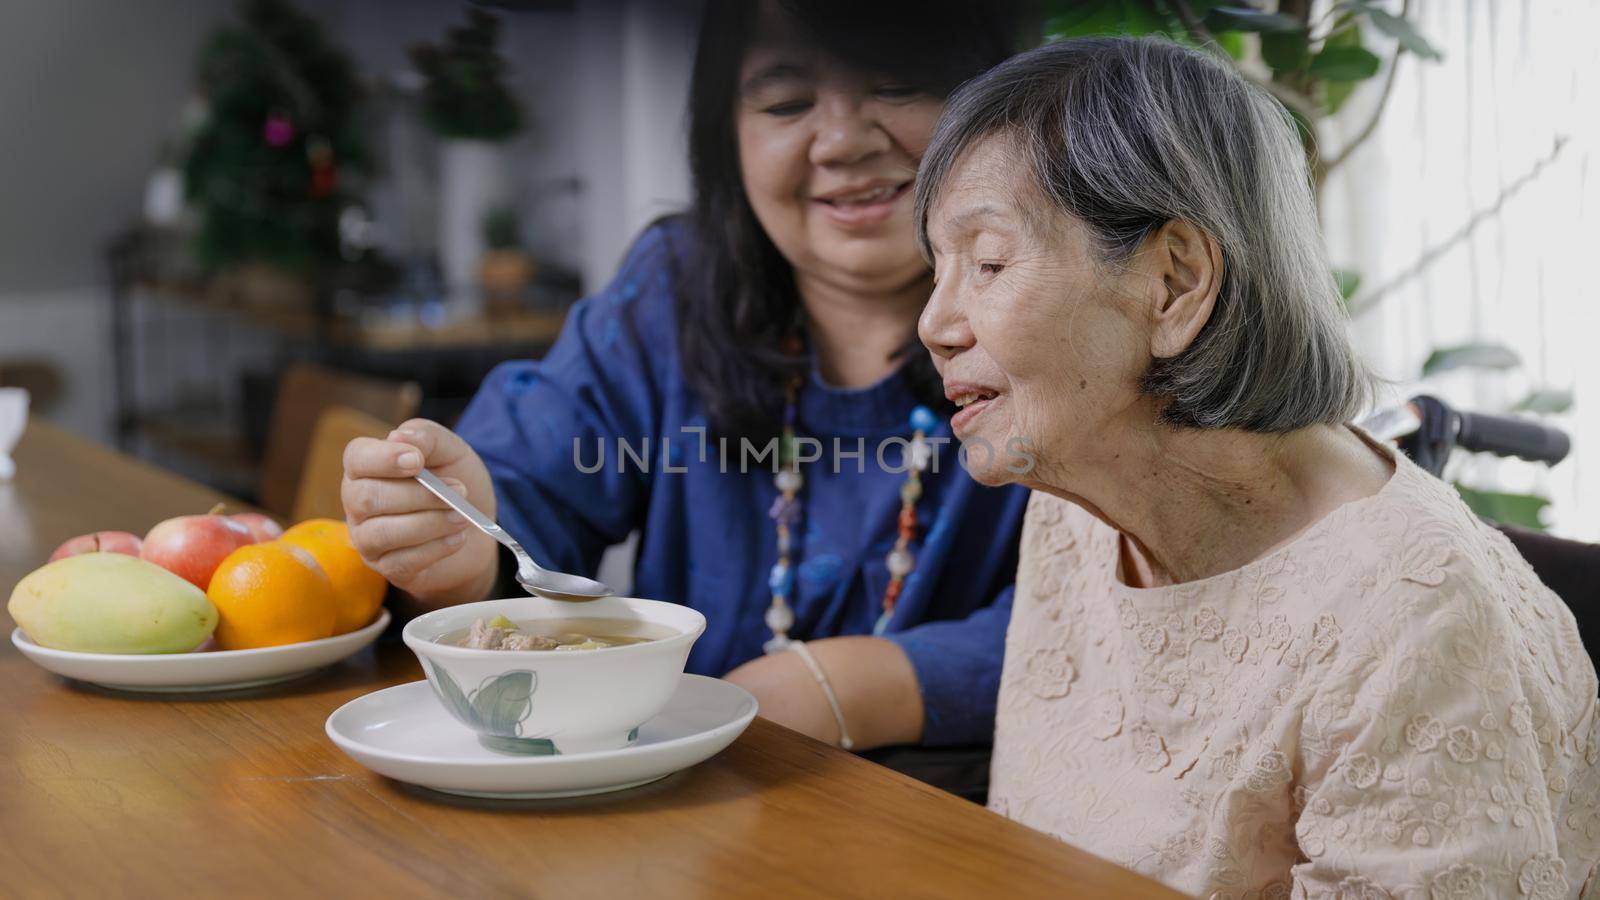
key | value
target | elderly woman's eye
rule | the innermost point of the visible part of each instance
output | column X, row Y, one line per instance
column 788, row 108
column 990, row 268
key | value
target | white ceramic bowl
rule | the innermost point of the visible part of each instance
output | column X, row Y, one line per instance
column 541, row 702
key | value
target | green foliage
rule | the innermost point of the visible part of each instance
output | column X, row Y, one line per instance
column 1335, row 93
column 1332, row 93
column 465, row 95
column 265, row 169
column 1349, row 281
column 1476, row 355
column 1244, row 18
column 1110, row 17
column 1344, row 64
column 1546, row 401
column 1402, row 31
column 1066, row 18
column 1510, row 509
column 1319, row 61
column 1286, row 51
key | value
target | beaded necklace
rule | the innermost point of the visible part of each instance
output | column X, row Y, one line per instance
column 785, row 514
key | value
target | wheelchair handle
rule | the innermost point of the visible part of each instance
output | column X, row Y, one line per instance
column 1511, row 436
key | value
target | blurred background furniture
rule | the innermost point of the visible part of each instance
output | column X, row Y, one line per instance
column 40, row 377
column 199, row 364
column 306, row 393
column 322, row 469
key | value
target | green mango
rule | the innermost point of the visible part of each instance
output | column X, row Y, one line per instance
column 111, row 603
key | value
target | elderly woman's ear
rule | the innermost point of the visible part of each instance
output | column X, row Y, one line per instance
column 1187, row 265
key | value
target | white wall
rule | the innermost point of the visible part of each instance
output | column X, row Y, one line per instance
column 70, row 327
column 88, row 92
column 634, row 63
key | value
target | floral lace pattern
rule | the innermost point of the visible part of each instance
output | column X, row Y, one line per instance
column 1391, row 706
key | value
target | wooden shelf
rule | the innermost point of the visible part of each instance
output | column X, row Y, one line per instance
column 293, row 316
column 203, row 443
column 519, row 328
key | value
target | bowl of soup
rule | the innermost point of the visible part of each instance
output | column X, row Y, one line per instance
column 535, row 676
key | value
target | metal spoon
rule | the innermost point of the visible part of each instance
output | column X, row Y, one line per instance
column 533, row 577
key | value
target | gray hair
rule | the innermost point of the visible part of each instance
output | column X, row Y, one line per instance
column 1127, row 134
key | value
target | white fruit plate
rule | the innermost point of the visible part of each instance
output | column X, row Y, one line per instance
column 208, row 670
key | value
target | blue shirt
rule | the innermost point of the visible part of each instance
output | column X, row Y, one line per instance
column 706, row 538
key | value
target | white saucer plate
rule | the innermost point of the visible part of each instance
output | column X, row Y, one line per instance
column 404, row 733
column 209, row 670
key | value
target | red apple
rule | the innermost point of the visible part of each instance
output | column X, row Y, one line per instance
column 99, row 542
column 262, row 527
column 192, row 547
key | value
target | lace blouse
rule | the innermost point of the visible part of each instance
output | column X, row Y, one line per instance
column 1392, row 705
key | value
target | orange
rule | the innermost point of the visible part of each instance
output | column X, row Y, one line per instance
column 269, row 594
column 359, row 589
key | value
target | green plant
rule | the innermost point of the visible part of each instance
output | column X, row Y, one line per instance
column 466, row 96
column 1524, row 510
column 1512, row 508
column 502, row 229
column 1313, row 63
column 268, row 166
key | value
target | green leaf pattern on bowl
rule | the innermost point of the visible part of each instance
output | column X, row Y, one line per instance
column 498, row 706
column 454, row 699
column 519, row 746
column 503, row 701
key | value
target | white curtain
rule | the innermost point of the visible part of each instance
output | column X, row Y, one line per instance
column 1502, row 132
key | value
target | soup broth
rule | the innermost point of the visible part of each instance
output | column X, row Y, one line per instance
column 501, row 633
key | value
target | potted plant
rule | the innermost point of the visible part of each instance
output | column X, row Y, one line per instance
column 506, row 269
column 466, row 102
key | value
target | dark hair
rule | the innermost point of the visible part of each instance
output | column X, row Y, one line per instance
column 737, row 302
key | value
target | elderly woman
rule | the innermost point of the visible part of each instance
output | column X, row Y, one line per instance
column 1253, row 652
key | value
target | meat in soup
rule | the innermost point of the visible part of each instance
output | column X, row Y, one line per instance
column 500, row 633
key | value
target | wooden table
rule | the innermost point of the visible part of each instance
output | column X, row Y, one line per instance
column 113, row 794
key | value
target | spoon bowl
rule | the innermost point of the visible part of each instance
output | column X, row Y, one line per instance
column 534, row 578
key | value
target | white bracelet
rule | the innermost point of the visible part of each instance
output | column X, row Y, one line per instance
column 827, row 690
